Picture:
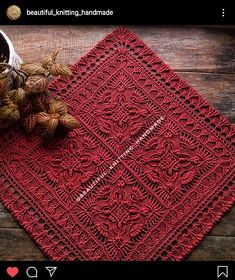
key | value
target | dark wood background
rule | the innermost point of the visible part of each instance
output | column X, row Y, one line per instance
column 203, row 56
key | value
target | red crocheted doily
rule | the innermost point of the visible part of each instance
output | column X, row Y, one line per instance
column 159, row 199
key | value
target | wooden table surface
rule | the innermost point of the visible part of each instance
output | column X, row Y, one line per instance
column 203, row 56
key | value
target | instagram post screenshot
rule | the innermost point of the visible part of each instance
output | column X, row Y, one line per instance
column 117, row 140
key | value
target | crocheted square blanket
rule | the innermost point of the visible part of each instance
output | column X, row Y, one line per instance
column 147, row 174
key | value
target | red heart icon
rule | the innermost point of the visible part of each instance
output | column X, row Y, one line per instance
column 12, row 271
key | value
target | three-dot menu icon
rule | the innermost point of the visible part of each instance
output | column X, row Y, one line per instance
column 223, row 12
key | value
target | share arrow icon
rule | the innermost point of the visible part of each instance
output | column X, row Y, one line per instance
column 51, row 270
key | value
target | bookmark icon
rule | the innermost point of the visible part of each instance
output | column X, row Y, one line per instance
column 222, row 270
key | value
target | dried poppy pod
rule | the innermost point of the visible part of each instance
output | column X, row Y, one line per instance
column 5, row 101
column 65, row 119
column 29, row 123
column 50, row 59
column 5, row 84
column 57, row 115
column 10, row 112
column 49, row 123
column 57, row 106
column 33, row 68
column 17, row 96
column 42, row 117
column 35, row 84
column 51, row 127
column 37, row 102
column 57, row 69
column 68, row 121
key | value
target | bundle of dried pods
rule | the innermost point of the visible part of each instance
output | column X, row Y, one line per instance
column 29, row 89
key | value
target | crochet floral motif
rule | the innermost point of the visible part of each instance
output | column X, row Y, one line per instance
column 119, row 212
column 120, row 110
column 172, row 162
column 68, row 164
column 160, row 200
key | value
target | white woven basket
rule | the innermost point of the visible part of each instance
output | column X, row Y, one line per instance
column 14, row 59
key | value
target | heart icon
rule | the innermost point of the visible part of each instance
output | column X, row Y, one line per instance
column 12, row 271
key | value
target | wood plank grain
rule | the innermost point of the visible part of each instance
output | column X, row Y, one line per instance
column 16, row 245
column 204, row 49
column 6, row 220
column 215, row 249
column 226, row 226
column 217, row 89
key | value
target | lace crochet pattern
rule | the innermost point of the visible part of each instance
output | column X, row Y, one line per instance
column 161, row 199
